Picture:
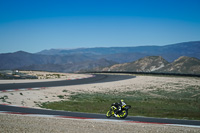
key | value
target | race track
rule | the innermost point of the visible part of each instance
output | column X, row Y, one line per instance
column 64, row 114
column 95, row 79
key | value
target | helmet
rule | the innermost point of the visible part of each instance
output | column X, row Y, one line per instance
column 121, row 100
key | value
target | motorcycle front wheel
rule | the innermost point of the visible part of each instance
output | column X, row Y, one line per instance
column 123, row 114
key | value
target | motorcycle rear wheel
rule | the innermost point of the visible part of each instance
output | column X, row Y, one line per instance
column 109, row 114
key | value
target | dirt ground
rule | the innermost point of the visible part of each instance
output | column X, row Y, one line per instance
column 30, row 124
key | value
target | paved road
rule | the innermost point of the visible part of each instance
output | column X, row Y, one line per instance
column 96, row 79
column 22, row 110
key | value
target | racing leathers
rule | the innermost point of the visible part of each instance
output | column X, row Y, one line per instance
column 117, row 107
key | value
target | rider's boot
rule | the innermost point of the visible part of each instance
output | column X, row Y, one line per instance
column 116, row 115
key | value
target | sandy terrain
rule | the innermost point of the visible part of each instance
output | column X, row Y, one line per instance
column 29, row 124
column 13, row 123
column 45, row 76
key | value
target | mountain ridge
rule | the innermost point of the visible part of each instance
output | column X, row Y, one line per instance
column 89, row 58
column 184, row 65
column 169, row 52
column 125, row 49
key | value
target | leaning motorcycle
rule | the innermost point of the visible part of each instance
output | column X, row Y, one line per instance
column 123, row 113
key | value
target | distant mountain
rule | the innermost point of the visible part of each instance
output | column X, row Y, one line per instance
column 124, row 57
column 184, row 65
column 21, row 59
column 147, row 64
column 71, row 67
column 168, row 52
column 185, row 47
column 70, row 60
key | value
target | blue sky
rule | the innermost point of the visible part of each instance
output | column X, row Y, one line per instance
column 35, row 25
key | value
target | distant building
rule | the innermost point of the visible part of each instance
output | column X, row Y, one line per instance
column 15, row 72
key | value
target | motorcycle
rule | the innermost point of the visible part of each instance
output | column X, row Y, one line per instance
column 123, row 113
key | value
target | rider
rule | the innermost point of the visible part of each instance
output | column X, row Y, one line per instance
column 117, row 107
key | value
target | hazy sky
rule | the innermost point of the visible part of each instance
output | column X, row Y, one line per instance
column 35, row 25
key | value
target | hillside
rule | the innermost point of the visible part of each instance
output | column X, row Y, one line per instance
column 184, row 65
column 22, row 59
column 147, row 64
column 70, row 67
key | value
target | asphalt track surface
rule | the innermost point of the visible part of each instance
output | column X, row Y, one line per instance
column 96, row 79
